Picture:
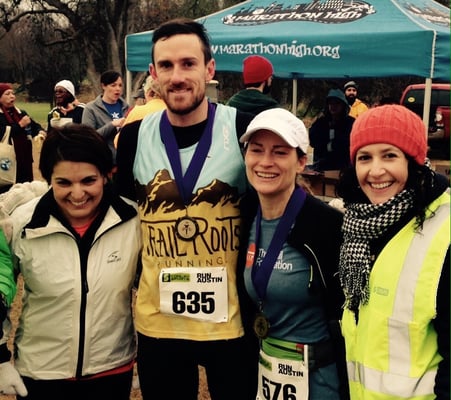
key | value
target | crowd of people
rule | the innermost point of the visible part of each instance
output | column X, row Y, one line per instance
column 199, row 206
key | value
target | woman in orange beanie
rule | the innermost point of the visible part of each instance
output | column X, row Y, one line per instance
column 394, row 261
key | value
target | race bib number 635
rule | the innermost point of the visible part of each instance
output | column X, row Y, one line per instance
column 197, row 293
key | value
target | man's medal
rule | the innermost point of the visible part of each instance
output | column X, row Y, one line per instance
column 186, row 228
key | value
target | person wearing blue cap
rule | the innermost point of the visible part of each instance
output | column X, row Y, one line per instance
column 329, row 134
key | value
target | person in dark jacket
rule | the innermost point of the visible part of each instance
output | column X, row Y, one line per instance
column 23, row 130
column 329, row 134
column 291, row 263
column 394, row 262
column 257, row 77
column 67, row 107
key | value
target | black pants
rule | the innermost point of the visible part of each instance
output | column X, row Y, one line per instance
column 113, row 387
column 169, row 368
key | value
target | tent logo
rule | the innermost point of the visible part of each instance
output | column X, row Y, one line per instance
column 434, row 16
column 328, row 12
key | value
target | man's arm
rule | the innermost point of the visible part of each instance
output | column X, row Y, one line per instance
column 125, row 158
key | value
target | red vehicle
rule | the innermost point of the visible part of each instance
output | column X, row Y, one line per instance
column 439, row 113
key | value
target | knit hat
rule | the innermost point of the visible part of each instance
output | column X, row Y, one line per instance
column 256, row 69
column 68, row 85
column 338, row 94
column 350, row 84
column 4, row 87
column 283, row 123
column 393, row 124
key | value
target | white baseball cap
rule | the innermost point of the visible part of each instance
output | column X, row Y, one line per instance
column 283, row 123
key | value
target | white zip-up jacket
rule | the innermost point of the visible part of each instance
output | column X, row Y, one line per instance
column 77, row 317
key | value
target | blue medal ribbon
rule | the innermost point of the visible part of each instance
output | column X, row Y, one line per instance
column 185, row 183
column 260, row 276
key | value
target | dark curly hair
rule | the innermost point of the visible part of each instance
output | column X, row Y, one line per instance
column 420, row 179
column 74, row 142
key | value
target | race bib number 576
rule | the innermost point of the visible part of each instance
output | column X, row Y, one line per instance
column 197, row 293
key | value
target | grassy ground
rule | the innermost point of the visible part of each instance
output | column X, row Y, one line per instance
column 37, row 111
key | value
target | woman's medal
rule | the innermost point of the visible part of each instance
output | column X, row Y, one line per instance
column 261, row 325
column 260, row 276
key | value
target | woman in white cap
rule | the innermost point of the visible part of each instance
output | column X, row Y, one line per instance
column 291, row 262
column 395, row 263
column 67, row 108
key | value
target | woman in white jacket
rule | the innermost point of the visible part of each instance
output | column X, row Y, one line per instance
column 77, row 248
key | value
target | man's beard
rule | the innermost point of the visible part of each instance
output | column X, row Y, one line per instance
column 350, row 100
column 266, row 88
column 185, row 111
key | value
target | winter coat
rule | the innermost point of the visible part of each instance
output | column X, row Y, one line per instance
column 22, row 139
column 76, row 318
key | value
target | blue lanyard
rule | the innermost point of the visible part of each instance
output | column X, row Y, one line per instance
column 185, row 183
column 260, row 276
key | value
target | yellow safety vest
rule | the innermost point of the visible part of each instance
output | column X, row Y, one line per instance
column 392, row 352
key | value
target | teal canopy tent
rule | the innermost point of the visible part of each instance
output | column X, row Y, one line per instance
column 325, row 39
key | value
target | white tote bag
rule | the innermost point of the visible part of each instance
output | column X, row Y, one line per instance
column 8, row 164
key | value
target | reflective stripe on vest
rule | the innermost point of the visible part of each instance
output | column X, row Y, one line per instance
column 398, row 381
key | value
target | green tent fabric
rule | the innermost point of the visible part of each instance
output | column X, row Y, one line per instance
column 325, row 39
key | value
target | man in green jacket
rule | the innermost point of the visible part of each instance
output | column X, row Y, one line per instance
column 257, row 76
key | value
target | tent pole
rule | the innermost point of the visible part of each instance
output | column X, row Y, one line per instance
column 295, row 97
column 427, row 104
column 128, row 86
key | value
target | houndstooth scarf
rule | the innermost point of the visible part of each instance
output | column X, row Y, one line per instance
column 363, row 223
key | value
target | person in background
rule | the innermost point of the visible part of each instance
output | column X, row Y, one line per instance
column 188, row 169
column 106, row 113
column 67, row 107
column 395, row 264
column 139, row 98
column 153, row 103
column 77, row 248
column 257, row 77
column 291, row 264
column 329, row 134
column 358, row 107
column 23, row 130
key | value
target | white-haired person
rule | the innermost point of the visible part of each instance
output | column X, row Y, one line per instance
column 291, row 263
column 154, row 102
column 394, row 262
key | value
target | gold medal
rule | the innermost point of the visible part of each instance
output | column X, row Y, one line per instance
column 261, row 325
column 186, row 228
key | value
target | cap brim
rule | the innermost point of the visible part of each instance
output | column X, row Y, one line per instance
column 247, row 135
